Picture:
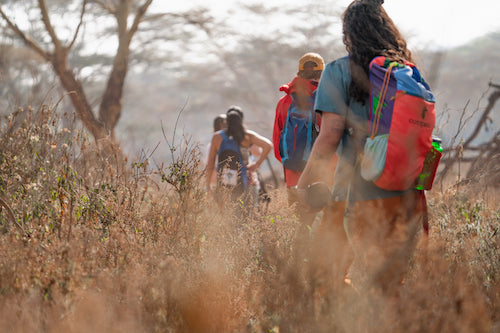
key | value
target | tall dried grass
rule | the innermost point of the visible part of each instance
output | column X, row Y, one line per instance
column 110, row 245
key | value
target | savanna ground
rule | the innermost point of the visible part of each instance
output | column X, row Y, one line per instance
column 102, row 244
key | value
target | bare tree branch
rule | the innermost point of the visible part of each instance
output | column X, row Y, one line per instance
column 82, row 14
column 106, row 6
column 494, row 85
column 483, row 153
column 27, row 39
column 138, row 17
column 48, row 25
column 491, row 102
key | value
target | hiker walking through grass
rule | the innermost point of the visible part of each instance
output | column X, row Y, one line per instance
column 235, row 172
column 220, row 123
column 295, row 128
column 381, row 224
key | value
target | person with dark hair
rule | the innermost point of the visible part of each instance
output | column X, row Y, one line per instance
column 380, row 226
column 219, row 123
column 235, row 127
column 232, row 148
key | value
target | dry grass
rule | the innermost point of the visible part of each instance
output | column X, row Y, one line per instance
column 114, row 246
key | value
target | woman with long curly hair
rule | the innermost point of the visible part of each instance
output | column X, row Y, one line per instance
column 377, row 232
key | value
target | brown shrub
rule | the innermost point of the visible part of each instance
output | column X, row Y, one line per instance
column 109, row 245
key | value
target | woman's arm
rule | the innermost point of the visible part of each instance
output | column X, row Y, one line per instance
column 262, row 142
column 332, row 128
column 214, row 148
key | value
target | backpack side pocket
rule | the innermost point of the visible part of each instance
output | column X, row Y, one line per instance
column 374, row 157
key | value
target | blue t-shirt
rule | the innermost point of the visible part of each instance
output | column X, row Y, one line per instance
column 332, row 96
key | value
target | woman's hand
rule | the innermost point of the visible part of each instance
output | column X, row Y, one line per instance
column 252, row 167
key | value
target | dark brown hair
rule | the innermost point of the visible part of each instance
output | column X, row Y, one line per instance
column 219, row 122
column 369, row 32
column 235, row 126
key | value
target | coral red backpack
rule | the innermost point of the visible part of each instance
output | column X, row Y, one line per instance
column 402, row 118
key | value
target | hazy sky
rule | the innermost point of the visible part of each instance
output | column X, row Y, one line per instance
column 444, row 22
column 425, row 23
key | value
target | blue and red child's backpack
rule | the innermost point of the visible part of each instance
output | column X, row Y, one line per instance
column 298, row 134
column 402, row 118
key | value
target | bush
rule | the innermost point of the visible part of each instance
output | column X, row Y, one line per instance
column 105, row 244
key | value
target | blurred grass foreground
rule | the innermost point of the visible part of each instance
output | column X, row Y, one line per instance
column 99, row 243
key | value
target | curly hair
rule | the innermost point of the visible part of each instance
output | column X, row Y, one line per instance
column 369, row 32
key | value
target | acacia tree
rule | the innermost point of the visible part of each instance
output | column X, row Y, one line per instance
column 128, row 16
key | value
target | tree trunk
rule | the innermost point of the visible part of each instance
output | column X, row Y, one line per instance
column 77, row 95
column 111, row 104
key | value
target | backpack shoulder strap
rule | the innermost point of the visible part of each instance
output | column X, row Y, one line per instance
column 224, row 135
